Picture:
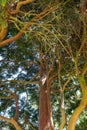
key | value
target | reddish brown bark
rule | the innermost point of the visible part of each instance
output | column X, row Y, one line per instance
column 84, row 7
column 45, row 114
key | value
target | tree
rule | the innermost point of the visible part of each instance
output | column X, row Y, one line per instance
column 47, row 52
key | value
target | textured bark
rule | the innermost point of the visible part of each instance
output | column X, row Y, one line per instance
column 45, row 114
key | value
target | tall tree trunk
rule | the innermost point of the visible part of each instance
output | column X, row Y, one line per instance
column 45, row 114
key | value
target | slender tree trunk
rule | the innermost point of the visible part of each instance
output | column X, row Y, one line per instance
column 81, row 107
column 45, row 114
column 77, row 112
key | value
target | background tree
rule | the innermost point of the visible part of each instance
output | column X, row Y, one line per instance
column 43, row 69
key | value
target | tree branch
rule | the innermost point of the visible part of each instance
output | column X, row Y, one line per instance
column 12, row 96
column 20, row 3
column 3, row 33
column 26, row 27
column 83, row 8
column 12, row 121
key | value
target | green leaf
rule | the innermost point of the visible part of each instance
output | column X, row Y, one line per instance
column 3, row 2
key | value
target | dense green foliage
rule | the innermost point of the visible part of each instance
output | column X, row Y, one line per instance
column 57, row 37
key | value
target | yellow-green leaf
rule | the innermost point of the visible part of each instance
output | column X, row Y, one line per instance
column 3, row 2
